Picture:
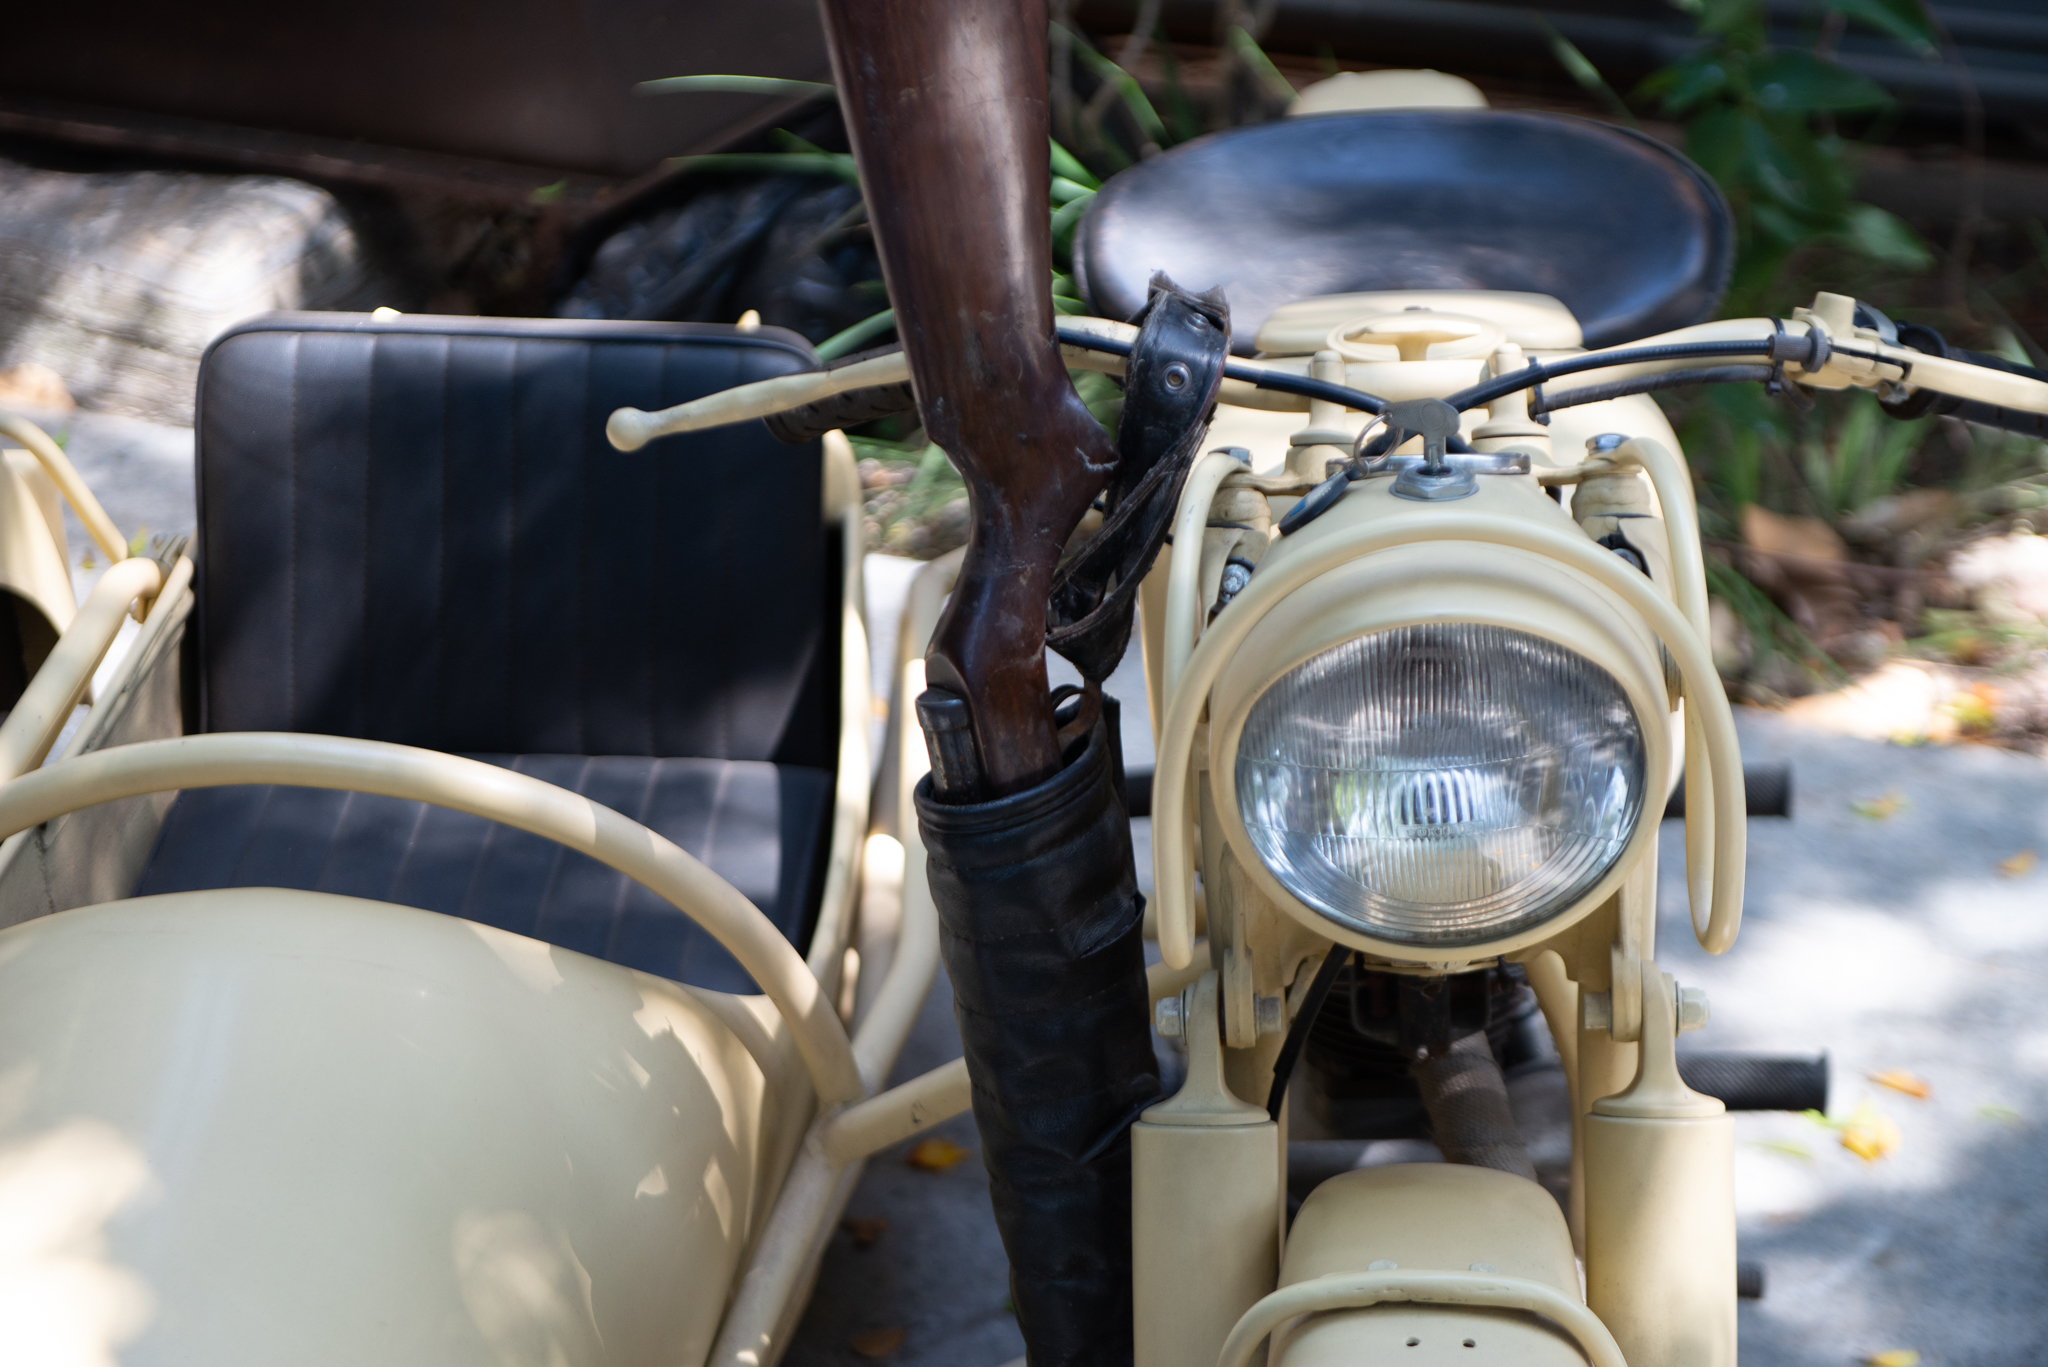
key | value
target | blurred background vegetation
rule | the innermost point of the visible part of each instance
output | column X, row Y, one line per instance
column 1831, row 526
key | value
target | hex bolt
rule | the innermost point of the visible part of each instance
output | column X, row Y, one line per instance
column 1269, row 1014
column 1605, row 442
column 1167, row 1018
column 1693, row 1011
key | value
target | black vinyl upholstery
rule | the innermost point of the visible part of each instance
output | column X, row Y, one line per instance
column 1631, row 236
column 757, row 825
column 413, row 530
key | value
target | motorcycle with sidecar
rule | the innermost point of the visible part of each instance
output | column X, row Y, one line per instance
column 462, row 929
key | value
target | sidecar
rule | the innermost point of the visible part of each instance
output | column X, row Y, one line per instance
column 441, row 937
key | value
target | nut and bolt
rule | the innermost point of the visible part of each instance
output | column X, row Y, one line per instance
column 1605, row 442
column 1693, row 1011
column 1167, row 1018
column 1269, row 1014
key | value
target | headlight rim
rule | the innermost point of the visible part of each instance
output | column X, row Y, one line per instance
column 1442, row 583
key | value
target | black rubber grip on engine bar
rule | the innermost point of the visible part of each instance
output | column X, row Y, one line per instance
column 1766, row 791
column 1756, row 1082
column 856, row 406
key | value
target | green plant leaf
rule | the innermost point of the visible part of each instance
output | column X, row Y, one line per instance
column 1067, row 165
column 1066, row 191
column 1685, row 85
column 1801, row 81
column 1886, row 239
column 1583, row 72
column 1904, row 20
column 1715, row 140
column 1259, row 64
column 854, row 338
column 1127, row 87
column 733, row 85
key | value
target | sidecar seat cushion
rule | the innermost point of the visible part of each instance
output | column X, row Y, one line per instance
column 1632, row 237
column 753, row 823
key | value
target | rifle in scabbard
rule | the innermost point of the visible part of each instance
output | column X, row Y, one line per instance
column 1028, row 846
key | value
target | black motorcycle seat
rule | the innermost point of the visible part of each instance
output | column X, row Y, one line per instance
column 1632, row 237
column 756, row 825
column 413, row 530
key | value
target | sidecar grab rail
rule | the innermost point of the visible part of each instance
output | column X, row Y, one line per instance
column 485, row 790
column 1357, row 1290
column 45, row 705
column 65, row 476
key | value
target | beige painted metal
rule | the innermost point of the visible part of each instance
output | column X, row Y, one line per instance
column 1534, row 321
column 1441, row 583
column 95, row 855
column 1442, row 1253
column 480, row 789
column 873, row 1125
column 1660, row 1206
column 1183, row 585
column 51, row 456
column 1205, row 1202
column 772, row 1291
column 262, row 1126
column 1351, row 536
column 1353, row 90
column 34, row 557
column 45, row 705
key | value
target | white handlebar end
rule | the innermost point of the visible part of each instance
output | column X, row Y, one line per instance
column 628, row 428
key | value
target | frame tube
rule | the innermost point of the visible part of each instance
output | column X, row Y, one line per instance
column 45, row 705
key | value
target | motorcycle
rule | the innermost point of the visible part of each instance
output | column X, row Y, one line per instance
column 312, row 1062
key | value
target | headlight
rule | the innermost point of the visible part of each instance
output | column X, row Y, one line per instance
column 1441, row 784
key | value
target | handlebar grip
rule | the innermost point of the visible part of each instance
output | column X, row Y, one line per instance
column 850, row 409
column 1750, row 1082
column 1926, row 401
column 1766, row 791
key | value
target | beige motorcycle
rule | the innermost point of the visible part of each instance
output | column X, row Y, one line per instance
column 459, row 931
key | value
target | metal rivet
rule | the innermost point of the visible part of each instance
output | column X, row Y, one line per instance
column 1177, row 376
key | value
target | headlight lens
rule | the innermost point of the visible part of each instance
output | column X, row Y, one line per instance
column 1441, row 785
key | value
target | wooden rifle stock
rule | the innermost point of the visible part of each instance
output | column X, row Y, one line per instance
column 946, row 105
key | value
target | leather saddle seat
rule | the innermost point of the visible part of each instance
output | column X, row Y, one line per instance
column 413, row 530
column 1632, row 237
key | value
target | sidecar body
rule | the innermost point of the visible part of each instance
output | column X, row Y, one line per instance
column 305, row 1074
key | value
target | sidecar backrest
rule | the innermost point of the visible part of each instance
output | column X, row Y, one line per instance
column 413, row 530
column 1631, row 236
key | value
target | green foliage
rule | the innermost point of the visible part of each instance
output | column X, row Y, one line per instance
column 1761, row 122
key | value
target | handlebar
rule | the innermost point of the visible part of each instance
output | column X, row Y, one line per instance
column 1824, row 347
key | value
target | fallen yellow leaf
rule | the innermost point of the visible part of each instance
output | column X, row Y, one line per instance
column 879, row 1343
column 935, row 1155
column 1869, row 1133
column 1899, row 1080
column 2021, row 863
column 1879, row 808
column 1895, row 1357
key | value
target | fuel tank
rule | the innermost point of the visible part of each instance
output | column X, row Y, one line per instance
column 258, row 1126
